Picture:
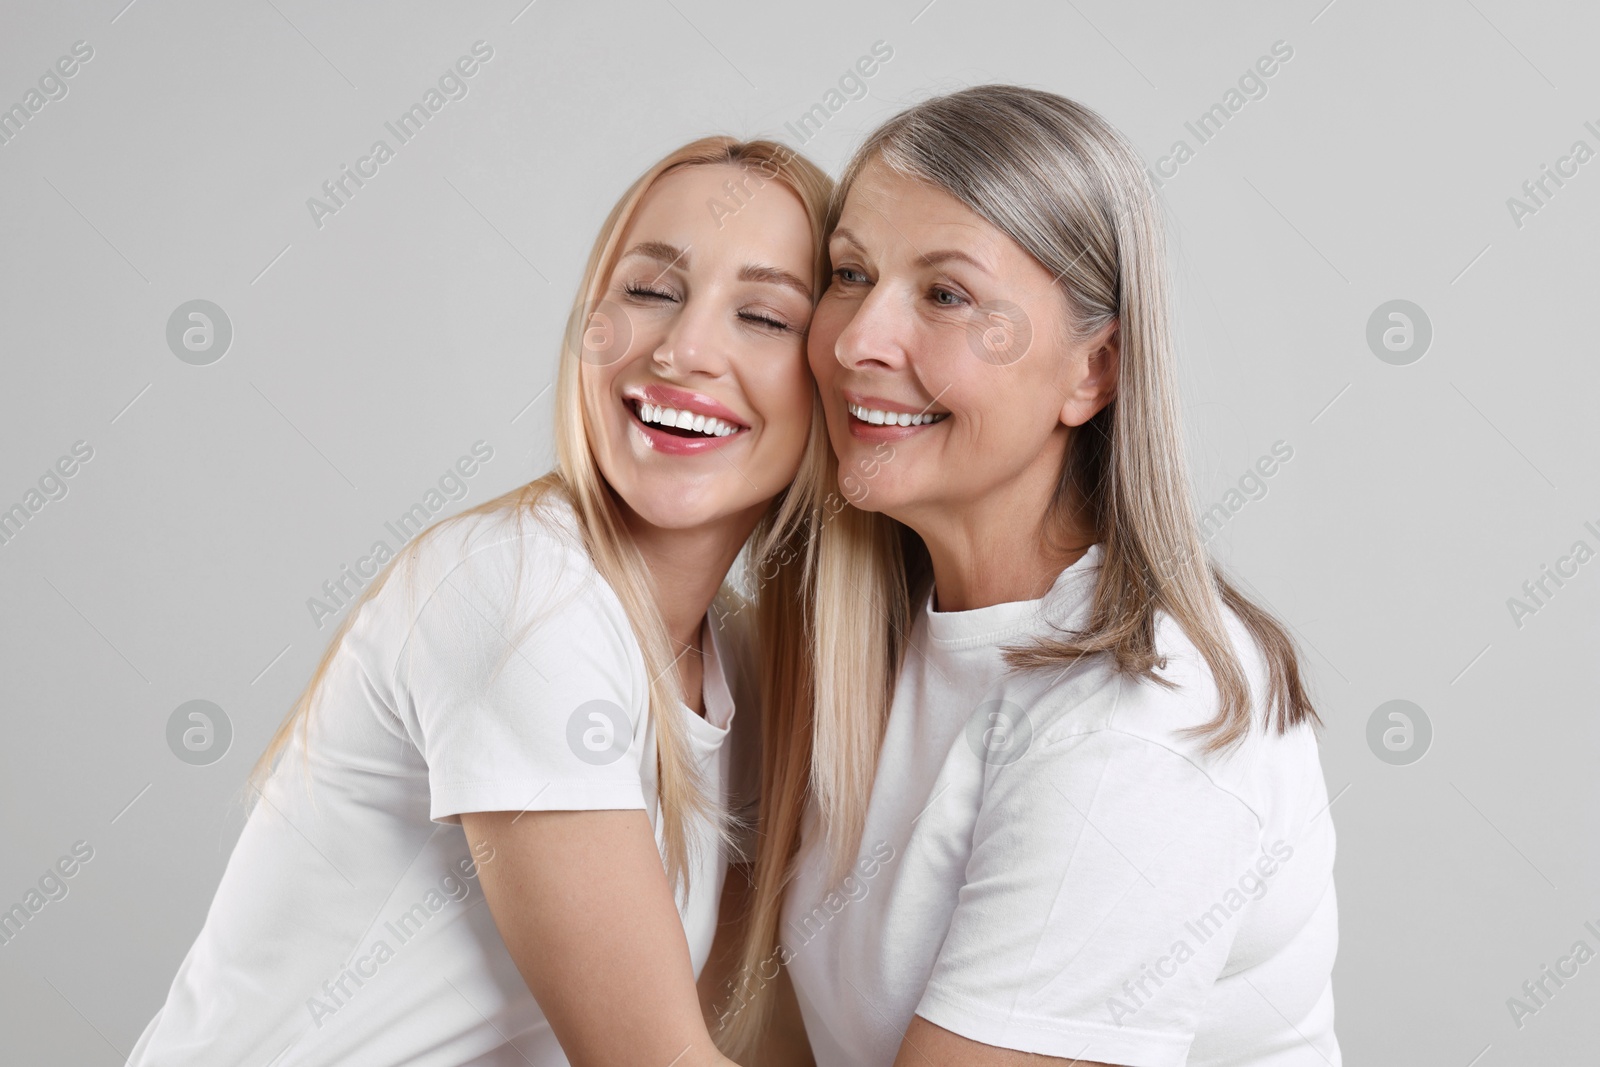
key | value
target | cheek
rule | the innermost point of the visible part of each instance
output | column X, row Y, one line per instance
column 783, row 396
column 1002, row 426
column 827, row 323
column 605, row 424
column 941, row 355
column 788, row 399
column 595, row 385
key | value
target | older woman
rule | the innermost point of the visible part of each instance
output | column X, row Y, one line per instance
column 1065, row 804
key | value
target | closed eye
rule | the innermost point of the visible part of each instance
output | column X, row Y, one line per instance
column 644, row 292
column 765, row 321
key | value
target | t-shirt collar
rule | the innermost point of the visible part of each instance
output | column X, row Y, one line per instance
column 714, row 684
column 997, row 622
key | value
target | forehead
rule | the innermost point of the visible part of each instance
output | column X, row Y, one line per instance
column 886, row 206
column 694, row 207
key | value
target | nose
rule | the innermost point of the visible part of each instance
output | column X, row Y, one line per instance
column 694, row 344
column 875, row 336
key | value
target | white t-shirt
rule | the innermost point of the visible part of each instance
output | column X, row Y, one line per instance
column 349, row 927
column 1049, row 866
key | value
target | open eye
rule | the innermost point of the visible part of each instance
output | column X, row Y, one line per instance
column 939, row 293
column 849, row 276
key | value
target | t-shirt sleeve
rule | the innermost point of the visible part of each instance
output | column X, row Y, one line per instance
column 1099, row 905
column 515, row 682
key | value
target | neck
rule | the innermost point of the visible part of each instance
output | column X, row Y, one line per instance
column 688, row 566
column 1000, row 547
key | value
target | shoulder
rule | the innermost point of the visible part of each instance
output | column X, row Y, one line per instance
column 1159, row 723
column 505, row 570
column 539, row 543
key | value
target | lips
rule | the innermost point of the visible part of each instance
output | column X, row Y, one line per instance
column 882, row 417
column 878, row 403
column 874, row 418
column 683, row 423
column 678, row 422
column 665, row 396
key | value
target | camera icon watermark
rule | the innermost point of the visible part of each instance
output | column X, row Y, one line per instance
column 599, row 732
column 1399, row 732
column 999, row 732
column 607, row 335
column 199, row 732
column 1399, row 332
column 199, row 332
column 999, row 332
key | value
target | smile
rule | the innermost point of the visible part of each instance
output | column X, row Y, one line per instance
column 881, row 417
column 679, row 431
column 682, row 423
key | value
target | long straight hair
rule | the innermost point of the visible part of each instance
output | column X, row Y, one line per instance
column 1071, row 191
column 578, row 480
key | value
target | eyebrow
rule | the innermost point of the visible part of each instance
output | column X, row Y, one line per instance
column 775, row 276
column 931, row 259
column 663, row 253
column 670, row 255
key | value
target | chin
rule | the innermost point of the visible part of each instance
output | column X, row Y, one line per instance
column 848, row 450
column 879, row 491
column 679, row 507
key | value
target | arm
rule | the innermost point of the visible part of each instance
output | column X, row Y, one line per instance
column 583, row 904
column 927, row 1045
column 784, row 1041
column 724, row 957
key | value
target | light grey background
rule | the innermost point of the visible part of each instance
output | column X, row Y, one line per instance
column 372, row 352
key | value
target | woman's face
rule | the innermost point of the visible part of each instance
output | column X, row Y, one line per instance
column 695, row 383
column 940, row 350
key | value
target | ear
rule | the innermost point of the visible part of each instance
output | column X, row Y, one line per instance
column 1093, row 375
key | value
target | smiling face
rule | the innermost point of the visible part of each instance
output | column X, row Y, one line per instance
column 697, row 394
column 940, row 339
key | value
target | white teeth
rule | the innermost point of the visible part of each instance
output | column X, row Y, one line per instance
column 892, row 418
column 685, row 420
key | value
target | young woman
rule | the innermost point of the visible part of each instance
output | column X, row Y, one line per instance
column 1097, row 831
column 529, row 709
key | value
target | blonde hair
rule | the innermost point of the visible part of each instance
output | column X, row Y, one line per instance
column 1071, row 191
column 577, row 478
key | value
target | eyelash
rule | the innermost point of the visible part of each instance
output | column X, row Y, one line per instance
column 646, row 291
column 767, row 322
column 933, row 291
